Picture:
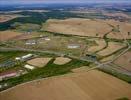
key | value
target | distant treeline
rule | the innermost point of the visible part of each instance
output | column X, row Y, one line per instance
column 35, row 18
column 41, row 17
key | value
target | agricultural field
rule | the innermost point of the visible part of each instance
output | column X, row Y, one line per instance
column 26, row 35
column 65, row 53
column 28, row 27
column 4, row 18
column 61, row 60
column 81, row 69
column 100, row 44
column 123, row 31
column 7, row 35
column 88, row 27
column 39, row 62
column 112, row 47
column 77, row 26
column 124, row 61
column 119, row 14
column 109, row 58
column 78, row 86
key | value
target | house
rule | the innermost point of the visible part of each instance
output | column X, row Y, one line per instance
column 73, row 46
column 29, row 67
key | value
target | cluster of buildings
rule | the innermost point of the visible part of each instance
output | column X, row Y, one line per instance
column 14, row 73
column 37, row 41
column 7, row 64
column 11, row 73
column 25, row 57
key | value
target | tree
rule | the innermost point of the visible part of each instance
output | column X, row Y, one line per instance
column 129, row 33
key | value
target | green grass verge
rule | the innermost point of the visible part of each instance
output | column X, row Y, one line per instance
column 124, row 98
column 121, row 76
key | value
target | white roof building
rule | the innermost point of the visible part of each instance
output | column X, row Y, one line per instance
column 47, row 39
column 27, row 56
column 8, row 75
column 73, row 46
column 17, row 58
column 29, row 67
column 31, row 42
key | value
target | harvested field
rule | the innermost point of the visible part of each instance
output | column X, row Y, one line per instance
column 78, row 26
column 124, row 61
column 117, row 15
column 61, row 60
column 100, row 44
column 83, row 12
column 108, row 58
column 4, row 18
column 39, row 62
column 7, row 35
column 112, row 47
column 93, row 85
column 124, row 28
column 81, row 69
column 25, row 36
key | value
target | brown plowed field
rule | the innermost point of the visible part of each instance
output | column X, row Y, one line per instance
column 7, row 35
column 93, row 85
column 78, row 26
column 124, row 29
column 112, row 47
column 124, row 61
column 61, row 60
column 4, row 18
column 100, row 44
column 39, row 62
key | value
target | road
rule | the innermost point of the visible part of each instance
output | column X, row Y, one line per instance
column 98, row 64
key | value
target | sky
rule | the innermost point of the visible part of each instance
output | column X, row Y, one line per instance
column 57, row 1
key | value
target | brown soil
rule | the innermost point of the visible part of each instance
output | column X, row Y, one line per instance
column 93, row 85
column 61, row 60
column 39, row 62
column 125, row 61
column 78, row 26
